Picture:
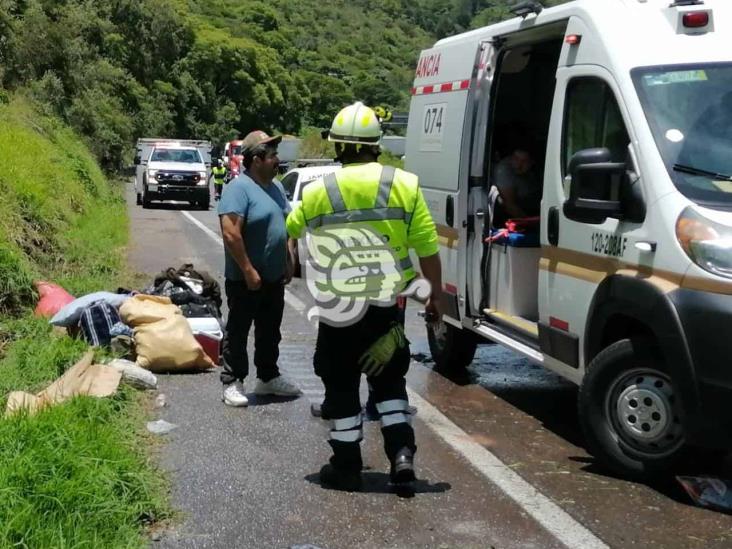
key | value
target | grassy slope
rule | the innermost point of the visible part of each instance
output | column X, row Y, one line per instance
column 72, row 476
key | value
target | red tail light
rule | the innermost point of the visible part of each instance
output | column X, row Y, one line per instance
column 696, row 19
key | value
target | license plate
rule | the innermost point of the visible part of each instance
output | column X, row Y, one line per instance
column 177, row 178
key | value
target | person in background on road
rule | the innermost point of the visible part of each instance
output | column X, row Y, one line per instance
column 391, row 203
column 252, row 212
column 218, row 173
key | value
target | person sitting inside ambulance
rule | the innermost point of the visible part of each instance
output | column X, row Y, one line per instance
column 518, row 187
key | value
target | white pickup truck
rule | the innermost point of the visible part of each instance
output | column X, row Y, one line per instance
column 173, row 170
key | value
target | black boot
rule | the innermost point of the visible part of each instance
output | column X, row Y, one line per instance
column 402, row 468
column 348, row 481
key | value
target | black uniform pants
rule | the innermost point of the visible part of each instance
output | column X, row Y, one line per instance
column 264, row 308
column 336, row 362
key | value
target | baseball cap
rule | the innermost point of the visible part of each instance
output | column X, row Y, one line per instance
column 258, row 137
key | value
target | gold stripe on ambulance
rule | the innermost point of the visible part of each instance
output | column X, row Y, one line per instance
column 593, row 268
column 447, row 236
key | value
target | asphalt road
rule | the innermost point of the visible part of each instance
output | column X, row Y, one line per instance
column 500, row 457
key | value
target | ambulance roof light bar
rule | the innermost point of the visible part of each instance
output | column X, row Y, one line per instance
column 678, row 3
column 523, row 9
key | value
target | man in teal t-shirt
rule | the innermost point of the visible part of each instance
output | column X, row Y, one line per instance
column 252, row 212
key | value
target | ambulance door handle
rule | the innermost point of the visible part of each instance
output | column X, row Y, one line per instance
column 552, row 226
column 450, row 210
column 480, row 214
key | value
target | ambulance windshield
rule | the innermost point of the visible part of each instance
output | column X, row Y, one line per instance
column 689, row 109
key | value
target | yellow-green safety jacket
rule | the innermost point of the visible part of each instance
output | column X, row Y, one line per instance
column 219, row 174
column 387, row 199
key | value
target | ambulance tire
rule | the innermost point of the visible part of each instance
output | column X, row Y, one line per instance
column 139, row 199
column 146, row 203
column 454, row 351
column 629, row 412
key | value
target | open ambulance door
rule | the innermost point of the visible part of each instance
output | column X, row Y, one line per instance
column 438, row 149
column 478, row 214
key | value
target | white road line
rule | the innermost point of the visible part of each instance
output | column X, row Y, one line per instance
column 215, row 237
column 316, row 394
column 291, row 299
column 542, row 509
column 294, row 301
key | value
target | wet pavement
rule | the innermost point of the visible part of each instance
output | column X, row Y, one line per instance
column 248, row 477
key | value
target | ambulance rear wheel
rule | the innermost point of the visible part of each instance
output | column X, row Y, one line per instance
column 452, row 349
column 630, row 412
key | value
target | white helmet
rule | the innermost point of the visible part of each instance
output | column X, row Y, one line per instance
column 357, row 124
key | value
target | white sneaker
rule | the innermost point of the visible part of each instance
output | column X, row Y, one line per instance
column 235, row 394
column 277, row 386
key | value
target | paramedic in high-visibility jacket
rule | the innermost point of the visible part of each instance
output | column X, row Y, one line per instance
column 364, row 218
column 218, row 173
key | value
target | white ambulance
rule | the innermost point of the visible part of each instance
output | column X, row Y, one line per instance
column 609, row 122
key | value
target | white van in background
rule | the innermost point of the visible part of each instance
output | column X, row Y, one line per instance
column 625, row 287
column 294, row 182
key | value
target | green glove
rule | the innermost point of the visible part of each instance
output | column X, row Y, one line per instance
column 373, row 361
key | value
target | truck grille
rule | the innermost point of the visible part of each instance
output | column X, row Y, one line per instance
column 177, row 178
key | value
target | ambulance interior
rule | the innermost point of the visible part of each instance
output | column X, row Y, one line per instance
column 521, row 103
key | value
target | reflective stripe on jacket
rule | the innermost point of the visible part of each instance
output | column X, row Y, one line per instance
column 387, row 199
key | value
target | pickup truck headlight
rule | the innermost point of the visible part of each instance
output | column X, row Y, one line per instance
column 202, row 179
column 706, row 242
column 151, row 174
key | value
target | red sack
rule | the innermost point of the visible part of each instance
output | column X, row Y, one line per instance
column 53, row 298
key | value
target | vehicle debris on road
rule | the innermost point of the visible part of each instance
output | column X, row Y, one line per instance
column 160, row 427
column 710, row 492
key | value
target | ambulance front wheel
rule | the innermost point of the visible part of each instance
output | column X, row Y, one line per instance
column 452, row 348
column 630, row 412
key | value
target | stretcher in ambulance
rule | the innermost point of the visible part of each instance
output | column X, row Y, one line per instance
column 623, row 282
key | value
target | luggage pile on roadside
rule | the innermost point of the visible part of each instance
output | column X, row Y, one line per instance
column 172, row 325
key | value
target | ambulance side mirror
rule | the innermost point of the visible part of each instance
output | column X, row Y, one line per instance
column 596, row 186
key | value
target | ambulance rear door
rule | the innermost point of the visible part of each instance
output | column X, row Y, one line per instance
column 438, row 151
